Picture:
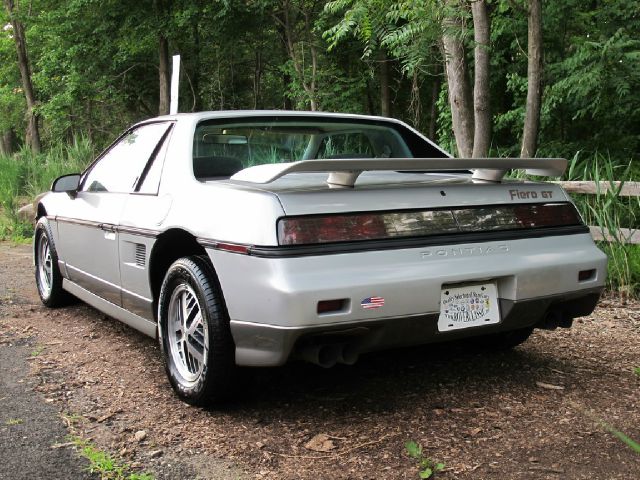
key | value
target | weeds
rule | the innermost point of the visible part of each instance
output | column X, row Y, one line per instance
column 610, row 212
column 14, row 421
column 37, row 351
column 25, row 175
column 101, row 463
column 427, row 467
column 637, row 371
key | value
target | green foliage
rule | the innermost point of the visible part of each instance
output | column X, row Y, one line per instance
column 103, row 464
column 427, row 467
column 25, row 175
column 611, row 212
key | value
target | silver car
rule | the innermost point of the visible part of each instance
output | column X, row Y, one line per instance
column 249, row 238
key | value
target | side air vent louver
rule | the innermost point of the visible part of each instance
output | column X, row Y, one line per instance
column 141, row 254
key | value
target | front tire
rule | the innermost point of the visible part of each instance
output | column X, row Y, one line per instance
column 194, row 334
column 48, row 276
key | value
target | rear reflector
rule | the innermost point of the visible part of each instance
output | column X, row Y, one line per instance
column 584, row 275
column 352, row 227
column 232, row 247
column 328, row 306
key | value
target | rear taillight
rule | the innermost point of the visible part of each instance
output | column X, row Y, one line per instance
column 384, row 225
column 535, row 215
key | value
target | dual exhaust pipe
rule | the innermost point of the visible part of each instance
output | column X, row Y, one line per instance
column 330, row 354
column 555, row 319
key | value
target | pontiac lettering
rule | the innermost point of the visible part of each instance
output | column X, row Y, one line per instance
column 529, row 194
column 465, row 251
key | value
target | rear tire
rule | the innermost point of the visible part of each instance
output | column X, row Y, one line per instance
column 194, row 334
column 48, row 276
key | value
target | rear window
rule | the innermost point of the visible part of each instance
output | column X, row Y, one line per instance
column 223, row 148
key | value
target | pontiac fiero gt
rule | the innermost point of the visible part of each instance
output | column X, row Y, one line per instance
column 250, row 238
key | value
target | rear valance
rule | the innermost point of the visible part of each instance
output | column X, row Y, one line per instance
column 344, row 172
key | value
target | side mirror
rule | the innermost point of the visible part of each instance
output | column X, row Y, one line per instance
column 67, row 183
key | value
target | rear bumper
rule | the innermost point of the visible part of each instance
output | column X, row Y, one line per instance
column 270, row 345
column 272, row 302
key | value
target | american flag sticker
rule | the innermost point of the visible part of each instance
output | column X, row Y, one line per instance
column 372, row 302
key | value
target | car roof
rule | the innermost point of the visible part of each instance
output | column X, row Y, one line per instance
column 197, row 116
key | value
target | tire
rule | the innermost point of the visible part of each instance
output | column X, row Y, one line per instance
column 199, row 356
column 503, row 340
column 47, row 272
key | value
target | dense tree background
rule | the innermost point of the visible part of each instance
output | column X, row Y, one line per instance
column 97, row 65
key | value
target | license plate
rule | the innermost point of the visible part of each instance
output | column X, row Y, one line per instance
column 468, row 306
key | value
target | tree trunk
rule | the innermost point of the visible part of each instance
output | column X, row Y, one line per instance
column 197, row 61
column 8, row 142
column 164, row 77
column 433, row 112
column 286, row 22
column 458, row 85
column 534, row 83
column 415, row 105
column 32, row 133
column 257, row 78
column 385, row 91
column 481, row 87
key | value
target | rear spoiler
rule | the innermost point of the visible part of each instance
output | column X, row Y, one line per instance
column 344, row 172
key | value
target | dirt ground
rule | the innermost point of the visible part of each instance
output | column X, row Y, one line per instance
column 537, row 412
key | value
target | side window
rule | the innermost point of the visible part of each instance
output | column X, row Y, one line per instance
column 120, row 168
column 151, row 182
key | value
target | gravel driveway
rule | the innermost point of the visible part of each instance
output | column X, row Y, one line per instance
column 537, row 412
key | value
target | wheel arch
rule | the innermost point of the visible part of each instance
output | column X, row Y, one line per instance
column 41, row 211
column 171, row 245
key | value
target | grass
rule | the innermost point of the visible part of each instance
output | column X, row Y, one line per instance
column 15, row 421
column 25, row 175
column 103, row 464
column 37, row 351
column 611, row 212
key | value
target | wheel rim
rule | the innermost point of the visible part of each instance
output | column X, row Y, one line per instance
column 45, row 266
column 187, row 333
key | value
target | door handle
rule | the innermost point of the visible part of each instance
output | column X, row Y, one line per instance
column 107, row 227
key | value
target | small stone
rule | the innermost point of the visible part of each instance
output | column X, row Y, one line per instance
column 320, row 443
column 155, row 454
column 140, row 435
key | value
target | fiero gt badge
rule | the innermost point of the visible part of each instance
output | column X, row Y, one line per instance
column 372, row 302
column 517, row 194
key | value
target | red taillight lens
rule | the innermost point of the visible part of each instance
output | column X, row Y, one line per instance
column 338, row 228
column 546, row 215
column 508, row 217
column 383, row 225
column 369, row 226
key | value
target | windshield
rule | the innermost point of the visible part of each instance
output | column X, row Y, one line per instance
column 222, row 149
